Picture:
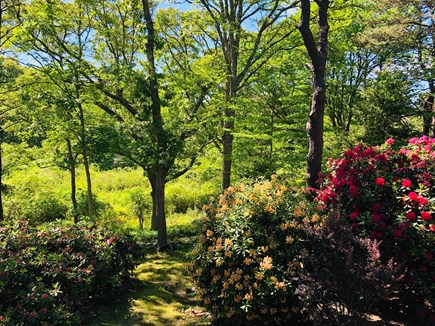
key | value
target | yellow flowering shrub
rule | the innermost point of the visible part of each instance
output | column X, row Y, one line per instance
column 243, row 266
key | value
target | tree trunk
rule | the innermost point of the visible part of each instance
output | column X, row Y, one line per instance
column 228, row 125
column 428, row 109
column 317, row 52
column 154, row 201
column 159, row 171
column 315, row 129
column 72, row 169
column 85, row 155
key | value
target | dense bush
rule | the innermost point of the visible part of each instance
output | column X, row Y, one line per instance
column 255, row 261
column 48, row 273
column 388, row 193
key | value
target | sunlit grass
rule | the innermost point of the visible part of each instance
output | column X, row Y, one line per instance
column 161, row 294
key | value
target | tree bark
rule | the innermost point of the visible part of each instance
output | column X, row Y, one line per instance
column 317, row 52
column 428, row 109
column 72, row 170
column 85, row 154
column 159, row 171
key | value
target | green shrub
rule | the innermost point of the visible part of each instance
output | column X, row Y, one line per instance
column 43, row 207
column 48, row 273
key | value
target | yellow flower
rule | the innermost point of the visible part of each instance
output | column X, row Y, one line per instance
column 248, row 297
column 228, row 242
column 222, row 200
column 238, row 298
column 264, row 248
column 266, row 264
column 315, row 218
column 239, row 286
column 209, row 233
column 247, row 261
column 269, row 208
column 205, row 219
column 259, row 276
column 298, row 212
column 227, row 273
column 219, row 262
column 227, row 253
column 289, row 239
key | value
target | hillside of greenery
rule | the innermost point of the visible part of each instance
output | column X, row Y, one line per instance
column 217, row 162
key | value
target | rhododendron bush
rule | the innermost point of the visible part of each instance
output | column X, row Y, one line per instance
column 265, row 257
column 388, row 193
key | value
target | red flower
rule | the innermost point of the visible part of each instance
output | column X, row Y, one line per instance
column 432, row 228
column 380, row 181
column 411, row 216
column 422, row 201
column 397, row 233
column 353, row 191
column 426, row 216
column 406, row 183
column 376, row 207
column 353, row 216
column 413, row 196
column 390, row 141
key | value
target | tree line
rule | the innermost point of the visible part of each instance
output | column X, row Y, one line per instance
column 137, row 83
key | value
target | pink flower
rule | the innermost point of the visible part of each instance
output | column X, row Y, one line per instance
column 432, row 228
column 413, row 196
column 411, row 216
column 390, row 141
column 406, row 183
column 426, row 216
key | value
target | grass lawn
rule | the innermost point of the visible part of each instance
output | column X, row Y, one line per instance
column 160, row 294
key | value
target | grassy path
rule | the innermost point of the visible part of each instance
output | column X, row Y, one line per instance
column 160, row 294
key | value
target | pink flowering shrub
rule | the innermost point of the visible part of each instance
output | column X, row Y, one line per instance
column 49, row 273
column 388, row 194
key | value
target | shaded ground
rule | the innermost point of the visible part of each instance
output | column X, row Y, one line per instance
column 160, row 294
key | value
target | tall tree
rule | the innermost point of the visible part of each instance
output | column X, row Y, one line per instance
column 317, row 52
column 248, row 33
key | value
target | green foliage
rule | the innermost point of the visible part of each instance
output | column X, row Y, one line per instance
column 48, row 273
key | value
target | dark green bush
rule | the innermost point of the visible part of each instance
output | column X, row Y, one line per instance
column 48, row 273
column 45, row 207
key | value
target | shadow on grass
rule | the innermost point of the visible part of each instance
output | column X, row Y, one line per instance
column 159, row 294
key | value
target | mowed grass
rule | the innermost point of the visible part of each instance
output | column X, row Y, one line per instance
column 160, row 294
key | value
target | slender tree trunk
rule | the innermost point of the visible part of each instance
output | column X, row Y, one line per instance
column 317, row 52
column 162, row 239
column 85, row 154
column 228, row 124
column 428, row 109
column 72, row 170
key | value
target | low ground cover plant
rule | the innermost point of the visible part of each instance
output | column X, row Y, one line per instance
column 387, row 193
column 48, row 273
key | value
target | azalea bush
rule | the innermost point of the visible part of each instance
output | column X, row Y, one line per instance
column 256, row 260
column 48, row 273
column 388, row 194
